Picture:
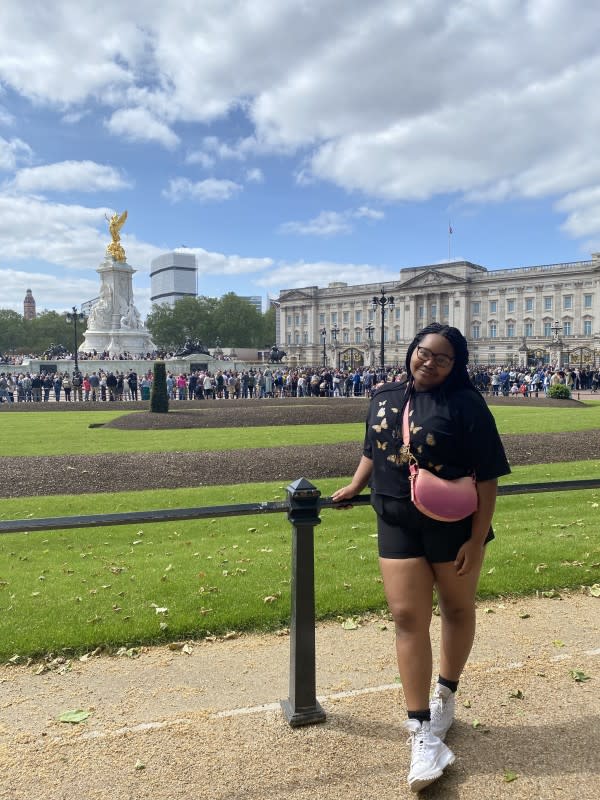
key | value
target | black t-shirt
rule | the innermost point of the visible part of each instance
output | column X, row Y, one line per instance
column 452, row 433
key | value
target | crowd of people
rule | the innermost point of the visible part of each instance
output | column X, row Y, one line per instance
column 268, row 382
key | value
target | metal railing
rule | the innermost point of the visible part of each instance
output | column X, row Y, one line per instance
column 303, row 506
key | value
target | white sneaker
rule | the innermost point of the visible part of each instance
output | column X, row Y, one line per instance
column 429, row 758
column 442, row 710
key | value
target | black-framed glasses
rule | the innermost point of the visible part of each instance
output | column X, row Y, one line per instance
column 439, row 359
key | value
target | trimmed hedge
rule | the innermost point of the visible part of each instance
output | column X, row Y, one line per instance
column 559, row 392
column 159, row 398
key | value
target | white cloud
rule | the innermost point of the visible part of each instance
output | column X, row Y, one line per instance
column 66, row 176
column 139, row 125
column 321, row 273
column 13, row 152
column 204, row 191
column 255, row 175
column 201, row 158
column 210, row 263
column 327, row 223
column 6, row 118
column 51, row 292
column 488, row 101
column 331, row 223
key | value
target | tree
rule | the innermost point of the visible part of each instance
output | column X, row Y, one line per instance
column 233, row 320
column 268, row 337
column 237, row 322
column 189, row 317
column 12, row 334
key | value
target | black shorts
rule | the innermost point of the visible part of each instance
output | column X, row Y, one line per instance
column 404, row 532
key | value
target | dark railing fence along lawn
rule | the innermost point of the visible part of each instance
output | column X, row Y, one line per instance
column 303, row 505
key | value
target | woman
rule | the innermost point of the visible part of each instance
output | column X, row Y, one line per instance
column 452, row 433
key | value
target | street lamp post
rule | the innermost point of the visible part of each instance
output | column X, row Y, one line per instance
column 334, row 334
column 383, row 302
column 324, row 339
column 370, row 330
column 74, row 317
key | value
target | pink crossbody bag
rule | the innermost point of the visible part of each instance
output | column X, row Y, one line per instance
column 444, row 500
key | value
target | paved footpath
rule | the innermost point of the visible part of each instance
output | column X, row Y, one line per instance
column 206, row 724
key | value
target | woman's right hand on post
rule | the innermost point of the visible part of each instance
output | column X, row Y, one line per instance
column 345, row 493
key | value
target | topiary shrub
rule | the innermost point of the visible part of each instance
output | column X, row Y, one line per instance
column 159, row 398
column 559, row 392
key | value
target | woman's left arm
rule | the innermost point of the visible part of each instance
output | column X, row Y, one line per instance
column 470, row 555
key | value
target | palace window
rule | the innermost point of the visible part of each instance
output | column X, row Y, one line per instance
column 321, row 319
column 493, row 306
column 476, row 309
column 587, row 300
column 288, row 320
column 493, row 330
column 566, row 328
column 421, row 312
column 357, row 315
column 296, row 319
column 510, row 330
column 346, row 315
column 398, row 337
column 433, row 312
column 547, row 330
column 529, row 304
column 528, row 329
column 334, row 317
column 548, row 302
column 397, row 314
column 475, row 332
column 346, row 337
column 587, row 327
column 567, row 302
column 510, row 306
column 305, row 338
column 357, row 337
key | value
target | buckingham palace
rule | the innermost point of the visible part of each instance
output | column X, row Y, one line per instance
column 523, row 315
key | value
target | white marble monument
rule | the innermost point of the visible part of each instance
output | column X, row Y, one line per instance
column 114, row 323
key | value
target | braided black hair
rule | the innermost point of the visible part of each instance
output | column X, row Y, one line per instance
column 458, row 377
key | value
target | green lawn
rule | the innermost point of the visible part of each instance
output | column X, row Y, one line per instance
column 61, row 433
column 133, row 584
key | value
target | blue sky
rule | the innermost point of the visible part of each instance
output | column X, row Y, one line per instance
column 296, row 142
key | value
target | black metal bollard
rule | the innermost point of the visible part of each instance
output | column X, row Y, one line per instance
column 301, row 707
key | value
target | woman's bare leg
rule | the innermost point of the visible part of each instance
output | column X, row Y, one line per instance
column 456, row 596
column 408, row 585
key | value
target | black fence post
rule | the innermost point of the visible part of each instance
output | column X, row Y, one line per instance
column 301, row 707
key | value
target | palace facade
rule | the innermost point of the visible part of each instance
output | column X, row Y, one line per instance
column 524, row 315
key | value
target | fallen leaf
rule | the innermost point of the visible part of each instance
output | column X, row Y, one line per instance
column 595, row 590
column 139, row 765
column 509, row 776
column 74, row 717
column 350, row 624
column 579, row 676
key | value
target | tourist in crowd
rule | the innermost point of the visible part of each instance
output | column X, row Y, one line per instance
column 66, row 385
column 47, row 385
column 450, row 426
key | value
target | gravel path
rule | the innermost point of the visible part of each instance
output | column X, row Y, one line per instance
column 206, row 724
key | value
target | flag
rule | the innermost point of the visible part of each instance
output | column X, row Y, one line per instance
column 450, row 228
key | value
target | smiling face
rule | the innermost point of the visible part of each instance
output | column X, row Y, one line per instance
column 431, row 362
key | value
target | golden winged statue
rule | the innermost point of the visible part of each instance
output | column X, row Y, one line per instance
column 115, row 248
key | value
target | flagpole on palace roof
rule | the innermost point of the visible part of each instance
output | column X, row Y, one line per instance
column 449, row 237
